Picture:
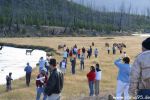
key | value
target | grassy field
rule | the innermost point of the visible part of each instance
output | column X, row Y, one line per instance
column 75, row 85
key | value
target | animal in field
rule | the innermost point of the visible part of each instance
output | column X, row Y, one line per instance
column 119, row 45
column 61, row 46
column 106, row 44
column 1, row 47
column 92, row 43
column 29, row 51
column 123, row 45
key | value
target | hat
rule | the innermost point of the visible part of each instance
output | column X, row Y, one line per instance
column 52, row 62
column 146, row 43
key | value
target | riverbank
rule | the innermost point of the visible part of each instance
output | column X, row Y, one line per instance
column 14, row 60
column 75, row 86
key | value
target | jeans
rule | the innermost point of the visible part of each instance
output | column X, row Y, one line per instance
column 28, row 77
column 143, row 94
column 54, row 97
column 122, row 88
column 82, row 65
column 91, row 87
column 39, row 91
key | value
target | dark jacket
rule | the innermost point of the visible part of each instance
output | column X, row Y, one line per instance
column 8, row 80
column 83, row 50
column 55, row 82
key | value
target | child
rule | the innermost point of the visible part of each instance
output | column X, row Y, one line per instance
column 63, row 66
column 8, row 82
column 82, row 62
column 41, row 82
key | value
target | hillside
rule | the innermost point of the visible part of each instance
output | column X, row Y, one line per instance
column 27, row 17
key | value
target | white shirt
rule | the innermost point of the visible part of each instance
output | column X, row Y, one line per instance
column 63, row 65
column 98, row 75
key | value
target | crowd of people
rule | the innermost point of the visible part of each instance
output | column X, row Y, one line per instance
column 132, row 80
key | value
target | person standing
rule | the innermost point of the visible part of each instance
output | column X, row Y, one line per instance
column 123, row 78
column 67, row 52
column 78, row 53
column 41, row 82
column 91, row 79
column 55, row 82
column 83, row 51
column 65, row 55
column 73, row 64
column 70, row 53
column 41, row 63
column 140, row 73
column 28, row 70
column 114, row 50
column 47, row 64
column 90, row 51
column 82, row 62
column 108, row 50
column 96, row 52
column 63, row 66
column 97, row 79
column 8, row 82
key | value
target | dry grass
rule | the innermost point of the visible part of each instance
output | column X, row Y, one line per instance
column 75, row 85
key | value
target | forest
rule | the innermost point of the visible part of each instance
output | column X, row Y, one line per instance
column 28, row 17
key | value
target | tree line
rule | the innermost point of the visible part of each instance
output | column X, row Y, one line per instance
column 17, row 13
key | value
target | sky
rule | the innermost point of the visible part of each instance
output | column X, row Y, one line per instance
column 137, row 6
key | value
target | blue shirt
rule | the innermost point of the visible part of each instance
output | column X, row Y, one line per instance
column 41, row 63
column 65, row 54
column 124, row 71
column 28, row 69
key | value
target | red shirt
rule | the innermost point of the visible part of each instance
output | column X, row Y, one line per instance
column 78, row 51
column 91, row 76
column 70, row 54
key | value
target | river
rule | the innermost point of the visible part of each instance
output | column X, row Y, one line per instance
column 14, row 60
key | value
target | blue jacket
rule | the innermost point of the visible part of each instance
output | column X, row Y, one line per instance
column 28, row 69
column 124, row 71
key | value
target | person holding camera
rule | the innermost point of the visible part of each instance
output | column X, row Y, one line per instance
column 124, row 67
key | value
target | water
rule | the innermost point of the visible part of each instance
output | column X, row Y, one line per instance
column 142, row 35
column 14, row 60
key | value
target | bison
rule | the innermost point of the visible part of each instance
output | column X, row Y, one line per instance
column 61, row 46
column 92, row 43
column 106, row 44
